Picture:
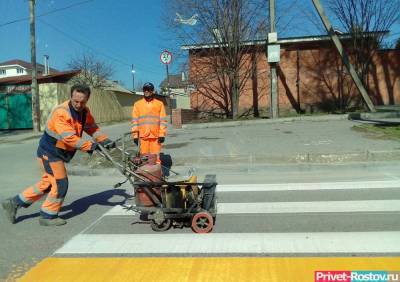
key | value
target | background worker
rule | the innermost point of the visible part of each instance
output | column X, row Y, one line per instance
column 149, row 122
column 61, row 139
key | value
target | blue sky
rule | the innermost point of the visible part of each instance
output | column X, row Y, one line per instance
column 119, row 32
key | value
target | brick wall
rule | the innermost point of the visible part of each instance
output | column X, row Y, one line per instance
column 310, row 77
column 182, row 116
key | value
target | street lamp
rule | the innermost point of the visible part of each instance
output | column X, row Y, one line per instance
column 133, row 79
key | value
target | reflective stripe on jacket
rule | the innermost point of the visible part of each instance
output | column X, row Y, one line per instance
column 149, row 119
column 65, row 125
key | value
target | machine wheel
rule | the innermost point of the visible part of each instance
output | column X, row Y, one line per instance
column 164, row 226
column 202, row 222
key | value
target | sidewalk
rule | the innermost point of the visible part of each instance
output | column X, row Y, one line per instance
column 10, row 136
column 308, row 140
column 324, row 139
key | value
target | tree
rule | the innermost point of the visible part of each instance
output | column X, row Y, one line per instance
column 139, row 85
column 367, row 21
column 365, row 24
column 219, row 73
column 93, row 71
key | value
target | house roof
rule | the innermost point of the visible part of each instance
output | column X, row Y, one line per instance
column 114, row 86
column 156, row 94
column 27, row 79
column 26, row 65
column 283, row 41
column 175, row 81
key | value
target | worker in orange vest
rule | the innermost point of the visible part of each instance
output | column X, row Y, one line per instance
column 61, row 138
column 149, row 122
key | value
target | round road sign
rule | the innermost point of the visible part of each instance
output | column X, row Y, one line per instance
column 166, row 57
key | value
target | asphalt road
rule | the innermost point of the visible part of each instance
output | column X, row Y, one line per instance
column 355, row 200
column 355, row 213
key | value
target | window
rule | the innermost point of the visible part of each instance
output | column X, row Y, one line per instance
column 19, row 70
column 3, row 72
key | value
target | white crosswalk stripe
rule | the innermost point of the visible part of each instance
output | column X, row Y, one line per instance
column 309, row 186
column 295, row 207
column 340, row 242
column 225, row 243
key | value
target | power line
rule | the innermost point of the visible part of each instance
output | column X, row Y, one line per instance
column 47, row 13
column 85, row 45
column 139, row 64
column 91, row 48
column 72, row 38
column 6, row 9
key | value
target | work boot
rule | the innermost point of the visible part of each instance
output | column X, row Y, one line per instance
column 10, row 207
column 52, row 222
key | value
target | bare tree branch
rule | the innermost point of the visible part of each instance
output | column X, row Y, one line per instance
column 93, row 71
column 219, row 73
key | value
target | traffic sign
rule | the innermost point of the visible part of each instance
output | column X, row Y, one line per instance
column 166, row 57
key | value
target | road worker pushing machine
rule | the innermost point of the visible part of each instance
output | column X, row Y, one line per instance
column 60, row 140
column 149, row 122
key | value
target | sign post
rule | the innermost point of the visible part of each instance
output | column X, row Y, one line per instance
column 166, row 59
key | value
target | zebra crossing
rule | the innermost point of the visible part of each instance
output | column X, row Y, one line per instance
column 291, row 219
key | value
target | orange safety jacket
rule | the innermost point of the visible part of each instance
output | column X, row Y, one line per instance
column 149, row 119
column 64, row 130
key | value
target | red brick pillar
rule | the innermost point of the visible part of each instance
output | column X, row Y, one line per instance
column 177, row 118
column 182, row 116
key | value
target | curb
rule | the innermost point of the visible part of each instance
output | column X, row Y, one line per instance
column 301, row 158
column 318, row 158
column 377, row 115
column 264, row 121
column 19, row 138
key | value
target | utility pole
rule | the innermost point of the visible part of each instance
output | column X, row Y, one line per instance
column 166, row 58
column 345, row 59
column 273, row 76
column 34, row 85
column 169, row 90
column 133, row 79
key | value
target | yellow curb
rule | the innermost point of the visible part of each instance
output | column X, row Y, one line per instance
column 213, row 269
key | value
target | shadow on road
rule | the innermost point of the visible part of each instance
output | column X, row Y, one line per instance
column 81, row 205
column 103, row 199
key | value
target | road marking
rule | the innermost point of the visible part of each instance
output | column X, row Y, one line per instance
column 199, row 269
column 308, row 186
column 235, row 243
column 293, row 207
column 309, row 207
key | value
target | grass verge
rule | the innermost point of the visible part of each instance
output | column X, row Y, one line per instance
column 379, row 131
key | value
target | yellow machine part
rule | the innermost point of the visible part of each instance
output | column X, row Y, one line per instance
column 175, row 200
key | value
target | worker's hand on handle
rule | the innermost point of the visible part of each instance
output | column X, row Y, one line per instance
column 94, row 147
column 108, row 144
column 161, row 140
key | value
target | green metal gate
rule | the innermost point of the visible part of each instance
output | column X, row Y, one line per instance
column 15, row 110
column 3, row 112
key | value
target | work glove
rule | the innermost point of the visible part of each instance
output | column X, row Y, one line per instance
column 94, row 147
column 161, row 139
column 136, row 141
column 108, row 144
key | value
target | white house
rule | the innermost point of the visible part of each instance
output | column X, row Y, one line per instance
column 20, row 67
column 178, row 88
